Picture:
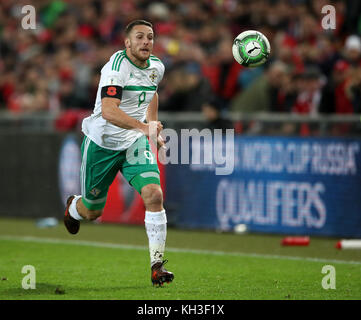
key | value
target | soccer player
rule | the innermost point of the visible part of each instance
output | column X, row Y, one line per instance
column 116, row 134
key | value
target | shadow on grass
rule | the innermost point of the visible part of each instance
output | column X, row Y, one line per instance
column 53, row 290
column 41, row 288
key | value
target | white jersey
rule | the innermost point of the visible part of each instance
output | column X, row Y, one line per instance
column 139, row 86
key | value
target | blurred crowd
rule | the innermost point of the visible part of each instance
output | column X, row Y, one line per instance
column 311, row 70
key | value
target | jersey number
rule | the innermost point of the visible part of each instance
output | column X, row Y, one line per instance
column 149, row 156
column 141, row 98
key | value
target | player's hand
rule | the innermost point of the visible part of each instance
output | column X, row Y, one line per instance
column 160, row 143
column 153, row 128
column 159, row 128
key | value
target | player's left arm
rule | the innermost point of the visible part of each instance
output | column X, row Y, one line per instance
column 152, row 112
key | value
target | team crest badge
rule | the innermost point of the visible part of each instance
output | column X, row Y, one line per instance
column 95, row 192
column 153, row 76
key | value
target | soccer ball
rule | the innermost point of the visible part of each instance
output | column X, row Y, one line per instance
column 251, row 48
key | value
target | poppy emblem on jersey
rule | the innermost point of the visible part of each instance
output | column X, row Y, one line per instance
column 112, row 91
column 153, row 76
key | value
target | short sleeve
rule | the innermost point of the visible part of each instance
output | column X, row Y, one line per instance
column 115, row 72
column 161, row 70
column 113, row 78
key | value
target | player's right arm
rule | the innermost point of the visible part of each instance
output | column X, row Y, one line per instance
column 112, row 82
column 116, row 116
column 112, row 113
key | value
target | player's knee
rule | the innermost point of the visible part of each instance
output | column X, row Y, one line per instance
column 152, row 195
column 93, row 214
column 157, row 197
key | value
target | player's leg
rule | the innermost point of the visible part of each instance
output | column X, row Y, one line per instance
column 76, row 211
column 98, row 170
column 156, row 228
column 86, row 213
column 144, row 177
column 155, row 221
column 79, row 211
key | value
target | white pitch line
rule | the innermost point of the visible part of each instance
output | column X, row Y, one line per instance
column 169, row 249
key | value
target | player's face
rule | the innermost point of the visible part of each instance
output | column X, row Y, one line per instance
column 140, row 42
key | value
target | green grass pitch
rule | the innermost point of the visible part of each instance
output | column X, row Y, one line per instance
column 112, row 262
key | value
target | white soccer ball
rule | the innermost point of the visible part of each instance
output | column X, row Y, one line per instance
column 251, row 48
column 240, row 228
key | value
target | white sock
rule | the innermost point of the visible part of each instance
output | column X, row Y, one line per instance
column 72, row 209
column 156, row 227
